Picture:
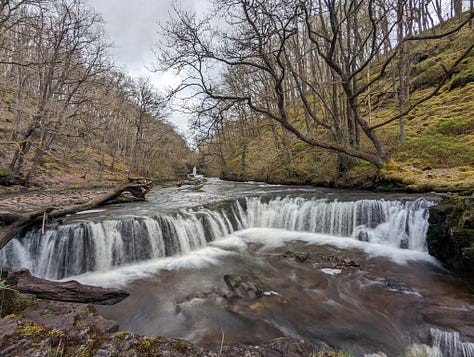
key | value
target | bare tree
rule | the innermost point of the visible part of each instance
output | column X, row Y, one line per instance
column 69, row 42
column 312, row 54
column 149, row 105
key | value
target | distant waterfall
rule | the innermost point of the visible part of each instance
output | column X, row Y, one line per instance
column 76, row 248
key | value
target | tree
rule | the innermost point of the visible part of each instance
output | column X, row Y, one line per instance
column 68, row 40
column 149, row 106
column 262, row 47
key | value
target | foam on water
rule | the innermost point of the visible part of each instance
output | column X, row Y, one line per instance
column 122, row 276
column 270, row 238
column 378, row 227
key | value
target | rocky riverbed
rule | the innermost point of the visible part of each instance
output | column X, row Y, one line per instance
column 35, row 327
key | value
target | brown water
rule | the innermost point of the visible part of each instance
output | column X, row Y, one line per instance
column 379, row 305
column 173, row 251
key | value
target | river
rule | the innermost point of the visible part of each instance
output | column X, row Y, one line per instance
column 334, row 267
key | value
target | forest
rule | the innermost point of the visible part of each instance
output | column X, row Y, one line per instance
column 323, row 207
column 329, row 92
column 339, row 93
column 67, row 113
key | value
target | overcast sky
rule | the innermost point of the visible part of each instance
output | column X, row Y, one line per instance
column 133, row 28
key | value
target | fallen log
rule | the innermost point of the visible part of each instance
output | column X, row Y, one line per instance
column 15, row 224
column 69, row 291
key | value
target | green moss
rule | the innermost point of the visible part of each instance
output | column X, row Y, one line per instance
column 428, row 77
column 148, row 347
column 456, row 126
column 5, row 172
column 437, row 151
column 465, row 76
column 360, row 170
column 121, row 335
column 83, row 313
column 30, row 330
column 55, row 333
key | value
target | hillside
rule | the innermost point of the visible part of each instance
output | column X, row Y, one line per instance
column 437, row 153
column 68, row 115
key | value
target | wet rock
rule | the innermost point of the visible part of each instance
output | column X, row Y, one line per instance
column 450, row 234
column 322, row 262
column 298, row 257
column 7, row 328
column 242, row 286
column 279, row 347
column 363, row 236
column 347, row 262
column 404, row 243
column 394, row 286
column 337, row 262
column 58, row 328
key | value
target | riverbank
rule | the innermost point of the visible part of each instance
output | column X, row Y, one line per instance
column 307, row 264
column 391, row 179
column 35, row 327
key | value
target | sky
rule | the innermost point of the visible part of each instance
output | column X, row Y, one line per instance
column 132, row 26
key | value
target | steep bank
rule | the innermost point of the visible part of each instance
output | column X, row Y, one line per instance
column 450, row 234
column 435, row 155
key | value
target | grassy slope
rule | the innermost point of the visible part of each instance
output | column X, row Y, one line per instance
column 439, row 150
column 438, row 153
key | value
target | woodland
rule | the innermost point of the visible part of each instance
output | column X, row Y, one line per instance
column 67, row 113
column 372, row 94
column 338, row 93
column 330, row 92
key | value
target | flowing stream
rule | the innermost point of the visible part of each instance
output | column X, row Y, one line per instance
column 338, row 268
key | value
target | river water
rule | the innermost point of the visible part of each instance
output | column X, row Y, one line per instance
column 337, row 268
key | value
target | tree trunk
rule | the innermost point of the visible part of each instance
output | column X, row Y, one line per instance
column 457, row 5
column 37, row 159
column 70, row 291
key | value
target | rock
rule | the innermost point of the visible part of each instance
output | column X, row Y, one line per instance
column 450, row 234
column 244, row 287
column 50, row 328
column 71, row 291
column 7, row 328
column 279, row 347
column 363, row 236
column 298, row 257
column 395, row 286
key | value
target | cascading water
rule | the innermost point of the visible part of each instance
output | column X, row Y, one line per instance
column 450, row 343
column 76, row 248
column 376, row 300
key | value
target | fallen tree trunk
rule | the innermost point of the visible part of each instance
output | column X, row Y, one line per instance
column 17, row 223
column 70, row 291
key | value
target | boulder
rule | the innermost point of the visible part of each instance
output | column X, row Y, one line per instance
column 242, row 286
column 450, row 235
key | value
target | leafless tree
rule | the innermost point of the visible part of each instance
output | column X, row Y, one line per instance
column 275, row 57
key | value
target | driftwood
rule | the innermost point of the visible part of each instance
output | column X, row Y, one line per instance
column 70, row 291
column 18, row 222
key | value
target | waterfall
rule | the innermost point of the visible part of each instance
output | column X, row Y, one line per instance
column 388, row 222
column 450, row 343
column 76, row 248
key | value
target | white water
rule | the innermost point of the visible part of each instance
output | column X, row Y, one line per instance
column 78, row 248
column 450, row 343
